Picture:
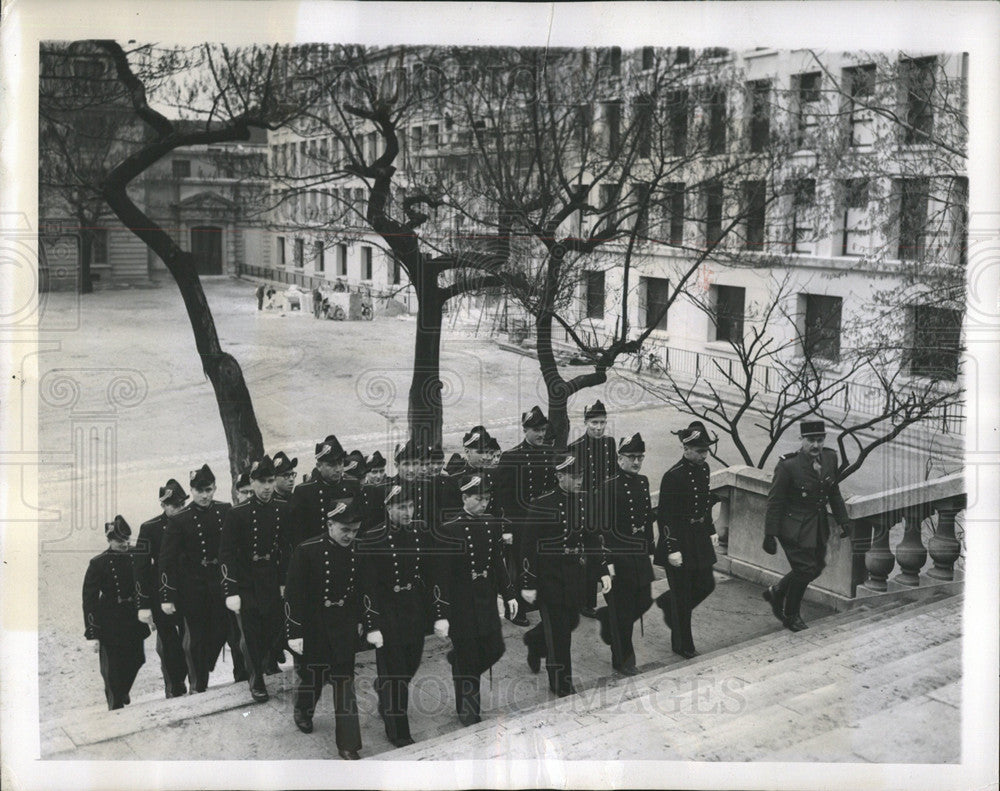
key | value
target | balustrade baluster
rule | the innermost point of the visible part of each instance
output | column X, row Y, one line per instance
column 879, row 560
column 910, row 552
column 943, row 547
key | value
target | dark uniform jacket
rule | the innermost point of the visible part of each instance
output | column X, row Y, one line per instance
column 472, row 575
column 189, row 559
column 399, row 593
column 797, row 502
column 559, row 536
column 629, row 533
column 109, row 611
column 525, row 473
column 310, row 503
column 372, row 504
column 254, row 550
column 685, row 515
column 148, row 580
column 323, row 599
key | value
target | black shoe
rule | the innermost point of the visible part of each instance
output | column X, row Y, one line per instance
column 534, row 660
column 795, row 624
column 402, row 741
column 566, row 691
column 349, row 755
column 259, row 694
column 628, row 669
column 603, row 616
column 177, row 690
column 520, row 620
column 302, row 721
column 663, row 602
column 128, row 700
column 776, row 599
column 272, row 670
column 588, row 612
column 687, row 652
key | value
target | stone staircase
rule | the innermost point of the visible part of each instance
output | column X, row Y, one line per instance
column 878, row 683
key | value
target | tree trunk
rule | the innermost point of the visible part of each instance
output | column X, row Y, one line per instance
column 86, row 256
column 555, row 386
column 425, row 412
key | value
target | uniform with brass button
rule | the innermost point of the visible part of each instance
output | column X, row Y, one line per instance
column 312, row 500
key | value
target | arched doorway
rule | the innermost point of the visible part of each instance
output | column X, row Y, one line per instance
column 206, row 246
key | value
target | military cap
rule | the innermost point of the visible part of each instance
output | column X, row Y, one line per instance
column 455, row 464
column 172, row 493
column 330, row 450
column 262, row 468
column 534, row 418
column 345, row 511
column 408, row 452
column 812, row 428
column 118, row 529
column 696, row 436
column 568, row 462
column 476, row 438
column 399, row 493
column 243, row 481
column 595, row 411
column 283, row 464
column 632, row 445
column 201, row 479
column 475, row 484
column 376, row 462
column 354, row 464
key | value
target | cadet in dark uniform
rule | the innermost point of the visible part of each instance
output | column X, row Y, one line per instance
column 804, row 483
column 524, row 473
column 476, row 447
column 629, row 541
column 243, row 488
column 169, row 628
column 410, row 460
column 558, row 537
column 597, row 453
column 109, row 615
column 376, row 469
column 189, row 565
column 323, row 610
column 311, row 501
column 473, row 575
column 397, row 585
column 686, row 549
column 372, row 494
column 253, row 553
column 284, row 476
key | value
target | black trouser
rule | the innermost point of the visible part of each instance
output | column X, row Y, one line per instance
column 689, row 587
column 256, row 624
column 208, row 626
column 807, row 564
column 312, row 675
column 396, row 666
column 470, row 658
column 552, row 639
column 120, row 663
column 170, row 647
column 627, row 601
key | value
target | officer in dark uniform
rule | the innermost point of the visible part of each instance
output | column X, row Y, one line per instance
column 253, row 554
column 243, row 488
column 311, row 500
column 686, row 548
column 473, row 574
column 284, row 476
column 559, row 535
column 629, row 541
column 524, row 473
column 169, row 628
column 109, row 614
column 597, row 452
column 399, row 590
column 189, row 567
column 804, row 483
column 323, row 610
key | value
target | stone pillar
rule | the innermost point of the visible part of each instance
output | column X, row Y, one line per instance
column 910, row 552
column 943, row 547
column 722, row 523
column 879, row 559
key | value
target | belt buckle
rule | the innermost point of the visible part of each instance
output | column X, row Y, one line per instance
column 406, row 587
column 338, row 603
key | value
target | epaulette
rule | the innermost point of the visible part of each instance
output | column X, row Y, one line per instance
column 791, row 455
column 150, row 521
column 313, row 540
column 184, row 510
column 544, row 494
column 306, row 483
column 677, row 466
column 240, row 505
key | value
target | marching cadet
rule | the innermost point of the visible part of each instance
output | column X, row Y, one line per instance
column 804, row 483
column 559, row 535
column 189, row 568
column 524, row 473
column 253, row 555
column 629, row 541
column 376, row 469
column 397, row 585
column 598, row 454
column 686, row 549
column 473, row 574
column 476, row 447
column 284, row 476
column 243, row 488
column 322, row 619
column 409, row 468
column 311, row 500
column 433, row 463
column 169, row 628
column 371, row 498
column 109, row 614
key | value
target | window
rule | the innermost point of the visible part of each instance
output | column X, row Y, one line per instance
column 857, row 234
column 584, row 124
column 808, row 95
column 937, row 342
column 912, row 202
column 822, row 329
column 918, row 84
column 433, row 139
column 755, row 210
column 683, row 56
column 608, row 195
column 674, row 212
column 300, row 253
column 612, row 124
column 715, row 107
column 359, row 203
column 803, row 216
column 760, row 115
column 611, row 60
column 281, row 251
column 99, row 246
column 395, row 279
column 860, row 85
column 677, row 113
column 341, row 260
column 729, row 309
column 594, row 294
column 366, row 263
column 417, row 138
column 640, row 194
column 319, row 257
column 657, row 291
column 371, row 140
column 644, row 125
column 713, row 212
column 181, row 168
column 647, row 58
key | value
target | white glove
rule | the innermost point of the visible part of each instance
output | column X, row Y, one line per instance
column 168, row 608
column 529, row 596
column 605, row 584
column 675, row 559
column 233, row 603
column 512, row 607
column 508, row 538
column 281, row 591
column 441, row 627
column 375, row 638
column 295, row 645
column 715, row 539
column 146, row 616
column 95, row 645
column 611, row 569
